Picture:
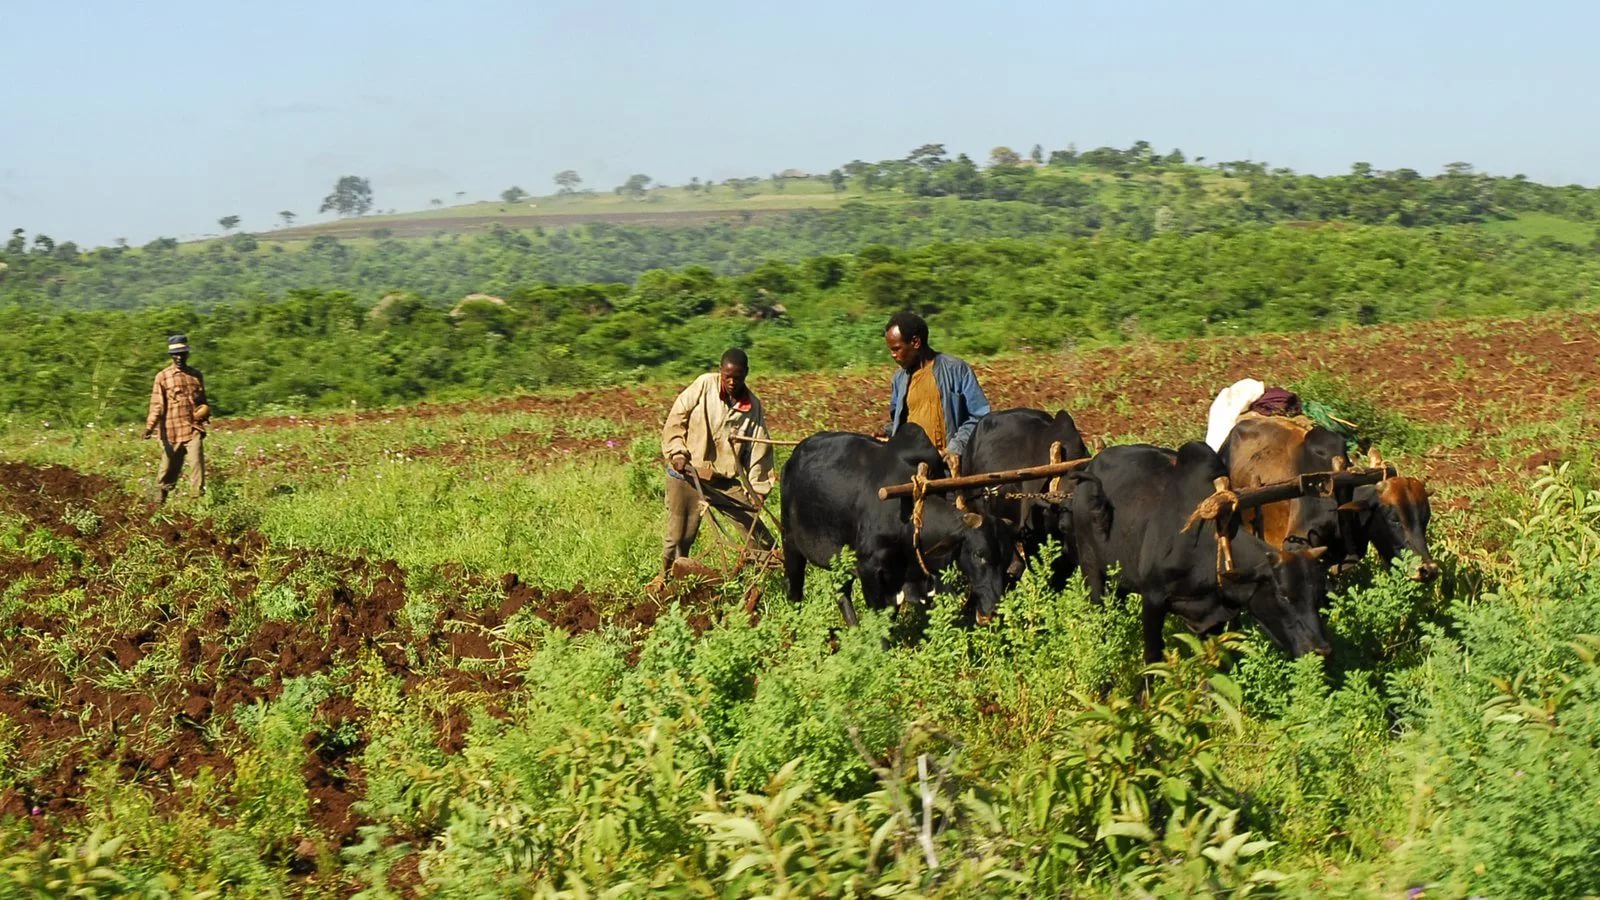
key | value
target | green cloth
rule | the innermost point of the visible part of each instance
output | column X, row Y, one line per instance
column 1324, row 415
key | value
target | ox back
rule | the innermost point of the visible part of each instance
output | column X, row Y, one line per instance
column 1130, row 506
column 1390, row 516
column 1263, row 450
column 830, row 502
column 1016, row 439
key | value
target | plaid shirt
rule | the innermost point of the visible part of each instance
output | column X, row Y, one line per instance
column 177, row 391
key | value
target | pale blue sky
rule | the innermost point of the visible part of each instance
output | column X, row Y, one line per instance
column 125, row 122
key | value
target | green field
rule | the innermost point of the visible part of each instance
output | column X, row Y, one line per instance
column 244, row 694
column 1537, row 225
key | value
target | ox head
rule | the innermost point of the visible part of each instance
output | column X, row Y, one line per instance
column 1394, row 513
column 1286, row 602
column 983, row 547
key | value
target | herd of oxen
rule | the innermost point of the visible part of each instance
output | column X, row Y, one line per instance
column 1132, row 506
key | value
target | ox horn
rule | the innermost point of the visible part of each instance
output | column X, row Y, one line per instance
column 1374, row 458
column 1340, row 463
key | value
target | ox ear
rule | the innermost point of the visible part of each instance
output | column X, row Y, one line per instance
column 972, row 520
column 1316, row 552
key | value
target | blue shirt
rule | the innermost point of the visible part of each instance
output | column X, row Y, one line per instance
column 959, row 394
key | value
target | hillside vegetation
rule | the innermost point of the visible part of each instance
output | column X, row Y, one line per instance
column 320, row 349
column 445, row 254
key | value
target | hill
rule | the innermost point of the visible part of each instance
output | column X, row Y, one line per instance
column 446, row 253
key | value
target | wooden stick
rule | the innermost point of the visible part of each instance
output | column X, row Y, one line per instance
column 1305, row 485
column 756, row 440
column 984, row 479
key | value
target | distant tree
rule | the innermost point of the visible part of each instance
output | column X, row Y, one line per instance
column 694, row 185
column 161, row 244
column 44, row 244
column 18, row 242
column 635, row 186
column 513, row 194
column 460, row 194
column 243, row 243
column 287, row 217
column 436, row 203
column 743, row 187
column 1175, row 158
column 706, row 186
column 1037, row 154
column 928, row 157
column 352, row 196
column 66, row 251
column 1003, row 158
column 567, row 181
column 779, row 183
column 1067, row 157
column 836, row 178
column 122, row 243
column 228, row 223
column 382, row 233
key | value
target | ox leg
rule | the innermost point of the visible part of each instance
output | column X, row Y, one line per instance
column 794, row 572
column 848, row 606
column 1155, row 620
column 1094, row 571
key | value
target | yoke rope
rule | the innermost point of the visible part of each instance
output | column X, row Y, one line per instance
column 919, row 492
column 1222, row 502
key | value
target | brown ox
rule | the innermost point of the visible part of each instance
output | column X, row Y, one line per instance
column 1390, row 516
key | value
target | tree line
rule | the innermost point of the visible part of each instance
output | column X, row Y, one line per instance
column 327, row 348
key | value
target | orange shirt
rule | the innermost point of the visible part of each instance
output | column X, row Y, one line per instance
column 923, row 406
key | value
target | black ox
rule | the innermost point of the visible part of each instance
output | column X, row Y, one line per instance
column 830, row 501
column 1131, row 505
column 1017, row 439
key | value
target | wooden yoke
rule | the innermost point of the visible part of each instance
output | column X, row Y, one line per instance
column 984, row 479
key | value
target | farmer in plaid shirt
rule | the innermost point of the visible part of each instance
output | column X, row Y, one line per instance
column 178, row 412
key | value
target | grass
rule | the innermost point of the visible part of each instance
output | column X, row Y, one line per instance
column 1538, row 224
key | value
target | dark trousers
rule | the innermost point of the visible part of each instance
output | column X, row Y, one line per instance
column 725, row 495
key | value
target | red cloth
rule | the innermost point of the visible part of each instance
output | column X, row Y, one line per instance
column 1277, row 401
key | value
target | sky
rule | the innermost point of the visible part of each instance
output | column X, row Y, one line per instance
column 121, row 121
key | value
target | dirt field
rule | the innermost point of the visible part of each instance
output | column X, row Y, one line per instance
column 153, row 724
column 146, row 669
column 1486, row 379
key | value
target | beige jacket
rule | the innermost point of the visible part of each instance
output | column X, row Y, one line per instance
column 700, row 424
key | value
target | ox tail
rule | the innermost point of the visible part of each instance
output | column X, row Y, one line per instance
column 1091, row 498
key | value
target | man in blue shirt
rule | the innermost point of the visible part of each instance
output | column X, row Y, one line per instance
column 933, row 389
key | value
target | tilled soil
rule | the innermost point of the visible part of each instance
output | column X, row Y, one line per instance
column 73, row 684
column 1483, row 377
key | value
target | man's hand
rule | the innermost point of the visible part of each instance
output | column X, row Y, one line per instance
column 705, row 472
column 952, row 461
column 678, row 461
column 148, row 434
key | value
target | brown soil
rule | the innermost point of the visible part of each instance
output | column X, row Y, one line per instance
column 1477, row 375
column 158, row 728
